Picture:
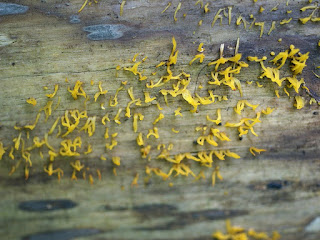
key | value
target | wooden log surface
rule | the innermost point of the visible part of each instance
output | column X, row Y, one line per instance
column 45, row 42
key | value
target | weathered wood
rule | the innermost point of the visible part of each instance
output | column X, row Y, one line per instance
column 277, row 190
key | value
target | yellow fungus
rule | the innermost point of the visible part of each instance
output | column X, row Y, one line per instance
column 177, row 112
column 241, row 19
column 135, row 57
column 90, row 179
column 27, row 156
column 200, row 22
column 83, row 5
column 121, row 7
column 130, row 93
column 272, row 73
column 160, row 64
column 161, row 116
column 295, row 83
column 77, row 90
column 261, row 9
column 187, row 96
column 11, row 153
column 112, row 145
column 106, row 133
column 134, row 70
column 153, row 132
column 90, row 126
column 308, row 7
column 47, row 109
column 140, row 141
column 175, row 131
column 285, row 21
column 217, row 16
column 277, row 93
column 30, row 126
column 69, row 147
column 273, row 27
column 253, row 150
column 147, row 97
column 200, row 48
column 240, row 106
column 215, row 173
column 101, row 92
column 2, row 150
column 58, row 104
column 256, row 59
column 114, row 101
column 66, row 122
column 128, row 111
column 275, row 8
column 261, row 24
column 169, row 4
column 175, row 13
column 17, row 141
column 199, row 2
column 239, row 233
column 218, row 120
column 259, row 85
column 103, row 158
column 89, row 150
column 206, row 8
column 267, row 111
column 135, row 180
column 26, row 172
column 49, row 169
column 99, row 174
column 161, row 145
column 229, row 14
column 32, row 101
column 116, row 161
column 299, row 102
column 105, row 118
column 231, row 154
column 117, row 117
column 136, row 116
column 54, row 126
column 56, row 87
column 312, row 100
column 286, row 92
column 114, row 170
column 198, row 56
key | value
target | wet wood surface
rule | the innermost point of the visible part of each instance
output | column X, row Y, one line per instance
column 47, row 41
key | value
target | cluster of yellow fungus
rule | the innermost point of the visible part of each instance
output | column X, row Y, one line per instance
column 226, row 13
column 226, row 75
column 239, row 233
column 297, row 62
column 166, row 83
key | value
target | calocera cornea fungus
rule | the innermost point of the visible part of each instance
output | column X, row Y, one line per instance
column 170, row 85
